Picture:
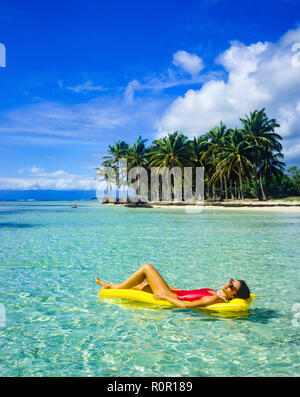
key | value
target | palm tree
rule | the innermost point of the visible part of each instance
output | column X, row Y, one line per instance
column 116, row 153
column 215, row 139
column 105, row 176
column 232, row 157
column 198, row 146
column 216, row 134
column 171, row 151
column 260, row 130
column 137, row 156
column 272, row 166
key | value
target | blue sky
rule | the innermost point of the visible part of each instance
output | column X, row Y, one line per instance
column 81, row 75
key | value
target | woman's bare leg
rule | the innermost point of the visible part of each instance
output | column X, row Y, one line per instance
column 144, row 286
column 103, row 284
column 148, row 272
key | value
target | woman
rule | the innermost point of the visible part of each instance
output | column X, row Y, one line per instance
column 147, row 278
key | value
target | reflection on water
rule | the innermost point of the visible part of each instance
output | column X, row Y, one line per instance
column 253, row 315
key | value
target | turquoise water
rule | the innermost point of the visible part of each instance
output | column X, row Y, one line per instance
column 57, row 326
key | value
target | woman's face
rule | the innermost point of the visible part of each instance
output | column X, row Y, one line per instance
column 230, row 289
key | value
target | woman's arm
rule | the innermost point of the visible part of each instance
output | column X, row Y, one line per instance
column 205, row 301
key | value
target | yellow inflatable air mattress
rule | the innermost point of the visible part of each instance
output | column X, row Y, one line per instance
column 235, row 305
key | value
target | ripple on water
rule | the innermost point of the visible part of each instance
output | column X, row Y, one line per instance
column 56, row 325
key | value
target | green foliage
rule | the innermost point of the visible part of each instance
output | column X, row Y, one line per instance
column 293, row 174
column 238, row 163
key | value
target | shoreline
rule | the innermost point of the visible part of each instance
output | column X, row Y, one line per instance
column 233, row 208
column 271, row 205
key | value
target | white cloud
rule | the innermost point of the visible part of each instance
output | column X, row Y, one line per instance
column 37, row 179
column 87, row 86
column 132, row 86
column 35, row 170
column 94, row 118
column 171, row 79
column 97, row 122
column 258, row 75
column 190, row 63
column 55, row 123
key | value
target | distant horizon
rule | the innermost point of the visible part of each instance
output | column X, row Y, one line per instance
column 47, row 195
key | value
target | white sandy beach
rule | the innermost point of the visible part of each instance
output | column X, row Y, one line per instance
column 270, row 206
column 193, row 208
column 245, row 205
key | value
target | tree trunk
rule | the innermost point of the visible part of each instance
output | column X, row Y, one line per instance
column 108, row 190
column 256, row 186
column 241, row 183
column 207, row 194
column 231, row 189
column 264, row 197
column 221, row 188
column 226, row 193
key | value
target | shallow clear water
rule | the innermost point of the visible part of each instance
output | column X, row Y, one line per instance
column 57, row 326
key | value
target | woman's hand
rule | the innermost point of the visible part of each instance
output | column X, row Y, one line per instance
column 172, row 299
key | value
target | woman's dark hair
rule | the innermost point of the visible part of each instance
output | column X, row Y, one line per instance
column 244, row 291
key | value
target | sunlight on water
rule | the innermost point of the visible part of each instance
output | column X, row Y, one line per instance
column 56, row 325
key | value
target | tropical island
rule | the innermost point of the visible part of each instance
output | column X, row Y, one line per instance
column 243, row 166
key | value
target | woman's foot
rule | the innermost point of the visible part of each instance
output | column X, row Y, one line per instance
column 104, row 284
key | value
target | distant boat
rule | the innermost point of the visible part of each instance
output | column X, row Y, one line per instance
column 74, row 205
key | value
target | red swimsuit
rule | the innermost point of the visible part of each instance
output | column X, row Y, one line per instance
column 193, row 295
